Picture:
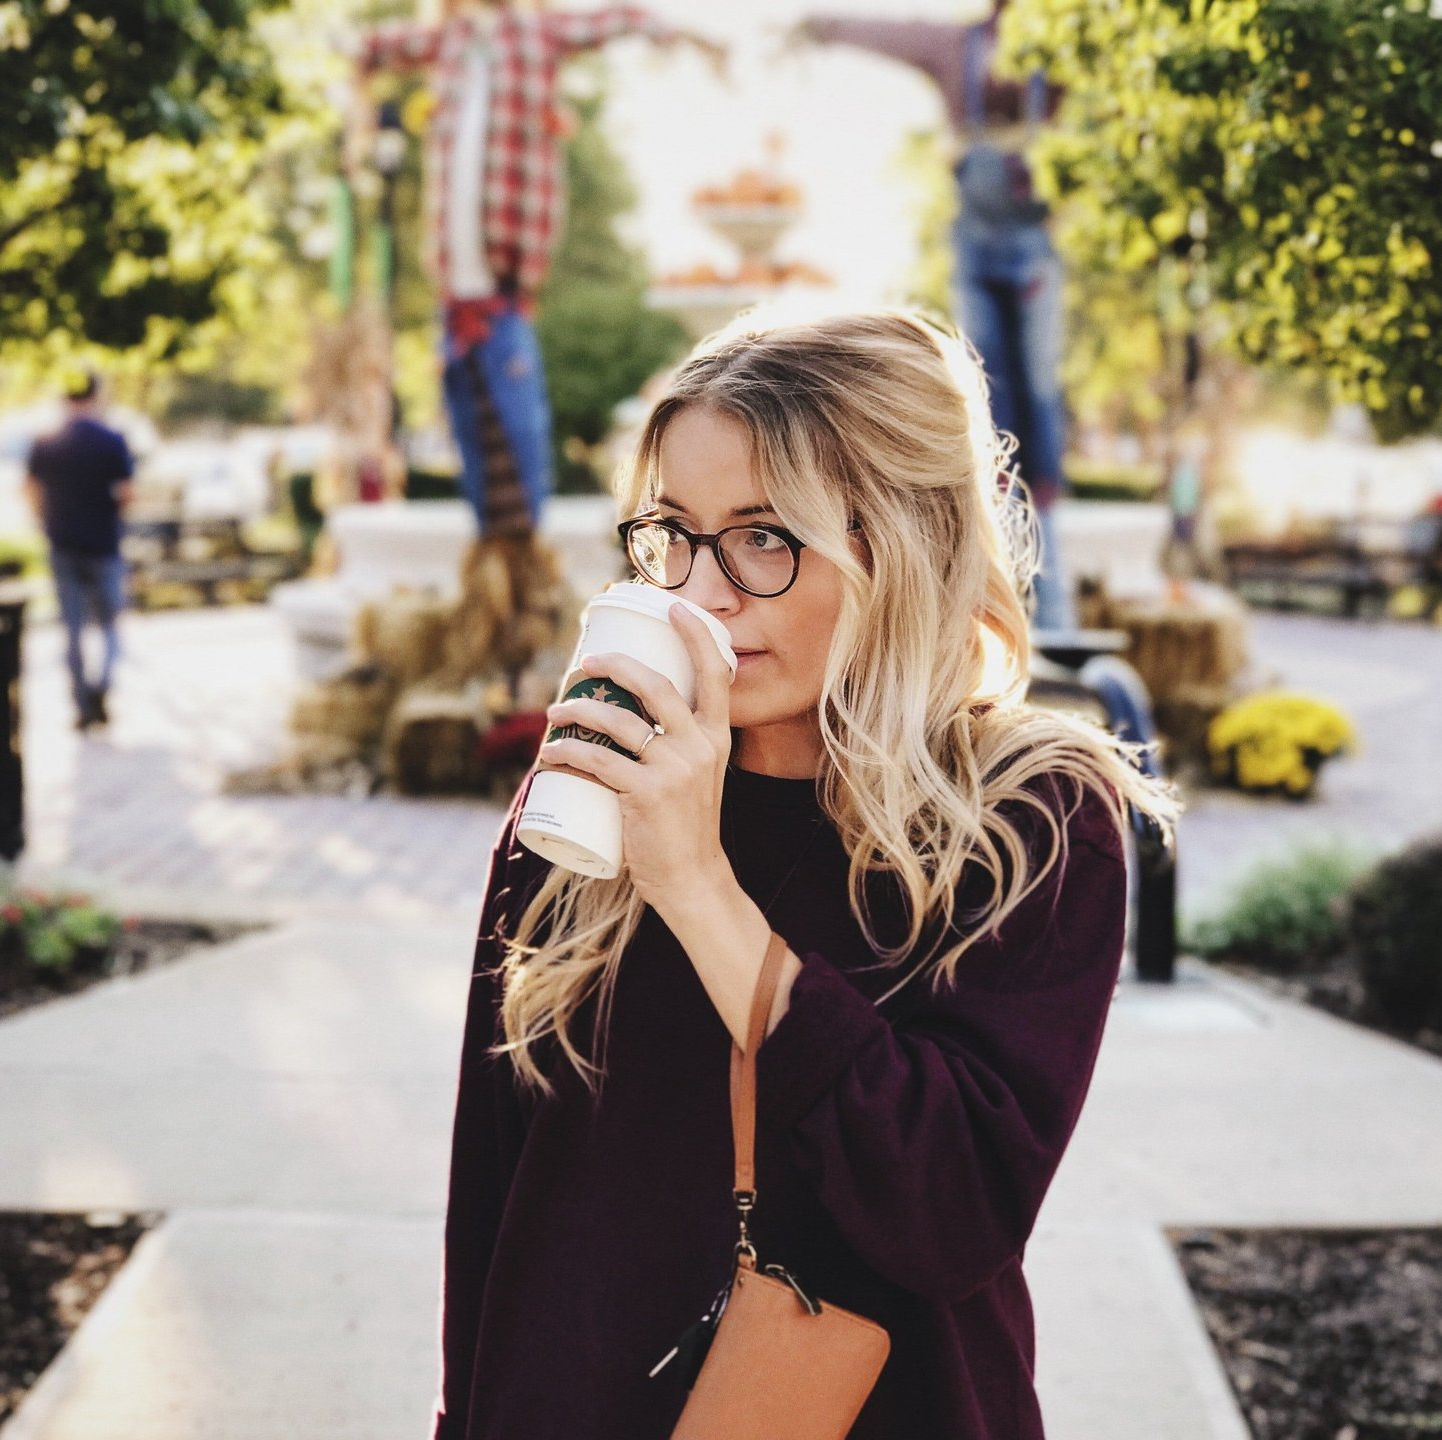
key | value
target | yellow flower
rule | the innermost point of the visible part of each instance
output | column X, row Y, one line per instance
column 1277, row 740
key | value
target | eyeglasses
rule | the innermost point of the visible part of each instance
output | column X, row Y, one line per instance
column 762, row 560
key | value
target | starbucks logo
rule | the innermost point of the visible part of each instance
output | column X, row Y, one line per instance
column 608, row 693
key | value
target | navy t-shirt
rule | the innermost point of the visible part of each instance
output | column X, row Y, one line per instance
column 78, row 468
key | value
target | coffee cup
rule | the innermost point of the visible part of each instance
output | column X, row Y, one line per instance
column 569, row 817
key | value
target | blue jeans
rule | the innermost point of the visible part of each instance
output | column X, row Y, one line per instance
column 1009, row 305
column 508, row 362
column 1054, row 607
column 89, row 585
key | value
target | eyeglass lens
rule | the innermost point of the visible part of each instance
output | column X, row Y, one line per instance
column 755, row 559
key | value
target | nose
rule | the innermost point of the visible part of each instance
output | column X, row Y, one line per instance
column 707, row 585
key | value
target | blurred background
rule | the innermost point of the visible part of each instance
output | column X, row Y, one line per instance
column 259, row 734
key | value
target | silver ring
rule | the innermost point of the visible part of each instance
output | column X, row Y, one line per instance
column 655, row 731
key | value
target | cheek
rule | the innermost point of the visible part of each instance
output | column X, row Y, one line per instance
column 799, row 636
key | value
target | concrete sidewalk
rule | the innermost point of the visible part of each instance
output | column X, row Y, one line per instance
column 286, row 1101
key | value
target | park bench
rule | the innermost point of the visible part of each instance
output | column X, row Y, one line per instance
column 1356, row 562
column 202, row 556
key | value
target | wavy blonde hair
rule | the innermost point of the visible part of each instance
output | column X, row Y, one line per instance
column 881, row 417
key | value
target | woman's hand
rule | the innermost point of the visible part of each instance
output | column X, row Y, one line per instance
column 670, row 797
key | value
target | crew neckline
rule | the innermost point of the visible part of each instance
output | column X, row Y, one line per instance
column 781, row 790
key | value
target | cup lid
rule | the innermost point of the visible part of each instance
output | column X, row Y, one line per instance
column 644, row 599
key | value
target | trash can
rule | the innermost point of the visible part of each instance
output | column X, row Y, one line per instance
column 13, row 595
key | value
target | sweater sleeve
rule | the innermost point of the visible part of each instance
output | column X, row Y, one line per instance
column 926, row 45
column 399, row 46
column 932, row 1141
column 585, row 30
column 490, row 1123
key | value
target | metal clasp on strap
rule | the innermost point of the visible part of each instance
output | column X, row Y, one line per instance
column 782, row 1273
column 745, row 1204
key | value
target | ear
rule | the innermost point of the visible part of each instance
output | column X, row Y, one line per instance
column 860, row 545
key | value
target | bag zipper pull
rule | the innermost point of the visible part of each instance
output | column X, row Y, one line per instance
column 782, row 1273
column 696, row 1341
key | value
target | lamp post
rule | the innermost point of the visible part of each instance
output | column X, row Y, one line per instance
column 388, row 153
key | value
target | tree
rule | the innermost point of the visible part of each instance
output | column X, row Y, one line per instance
column 1284, row 151
column 600, row 341
column 130, row 132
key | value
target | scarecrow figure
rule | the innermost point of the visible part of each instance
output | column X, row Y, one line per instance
column 1008, row 278
column 494, row 210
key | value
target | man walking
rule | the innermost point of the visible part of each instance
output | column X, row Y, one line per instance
column 79, row 483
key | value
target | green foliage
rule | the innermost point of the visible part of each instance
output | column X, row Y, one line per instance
column 1285, row 915
column 1114, row 480
column 129, row 137
column 1288, row 147
column 25, row 555
column 1393, row 921
column 51, row 932
column 600, row 341
column 924, row 164
column 193, row 398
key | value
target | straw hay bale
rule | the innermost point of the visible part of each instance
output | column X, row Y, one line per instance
column 1177, row 646
column 432, row 740
column 352, row 706
column 405, row 634
column 515, row 600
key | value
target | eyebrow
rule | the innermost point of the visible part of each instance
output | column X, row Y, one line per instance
column 735, row 514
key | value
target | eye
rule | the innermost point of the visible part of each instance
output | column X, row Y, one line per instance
column 764, row 541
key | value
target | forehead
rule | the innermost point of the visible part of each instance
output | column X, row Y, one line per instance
column 705, row 464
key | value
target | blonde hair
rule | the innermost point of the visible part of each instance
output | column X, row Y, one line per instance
column 879, row 417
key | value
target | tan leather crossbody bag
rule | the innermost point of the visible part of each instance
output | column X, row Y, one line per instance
column 770, row 1361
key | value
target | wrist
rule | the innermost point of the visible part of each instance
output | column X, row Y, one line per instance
column 709, row 904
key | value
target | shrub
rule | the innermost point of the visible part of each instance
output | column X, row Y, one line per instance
column 1393, row 927
column 1285, row 914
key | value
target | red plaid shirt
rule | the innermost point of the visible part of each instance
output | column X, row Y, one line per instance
column 523, row 195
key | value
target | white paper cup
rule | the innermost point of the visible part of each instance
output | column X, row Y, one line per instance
column 572, row 819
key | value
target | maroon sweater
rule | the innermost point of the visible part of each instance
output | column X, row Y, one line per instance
column 902, row 1153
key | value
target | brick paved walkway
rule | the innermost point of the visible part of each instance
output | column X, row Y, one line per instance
column 139, row 807
column 140, row 810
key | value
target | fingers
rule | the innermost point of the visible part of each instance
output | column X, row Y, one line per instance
column 616, row 771
column 660, row 697
column 713, row 674
column 590, row 720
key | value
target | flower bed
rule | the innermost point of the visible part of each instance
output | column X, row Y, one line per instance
column 58, row 944
column 53, row 1268
column 1325, row 1335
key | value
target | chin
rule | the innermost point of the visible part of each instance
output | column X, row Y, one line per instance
column 748, row 711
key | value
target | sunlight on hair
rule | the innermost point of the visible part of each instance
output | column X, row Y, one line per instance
column 934, row 760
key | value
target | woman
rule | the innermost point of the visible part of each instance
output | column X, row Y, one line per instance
column 946, row 868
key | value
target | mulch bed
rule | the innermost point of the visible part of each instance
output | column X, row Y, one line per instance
column 1325, row 1335
column 1333, row 985
column 142, row 947
column 52, row 1270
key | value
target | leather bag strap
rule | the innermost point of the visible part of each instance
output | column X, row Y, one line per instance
column 743, row 1067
